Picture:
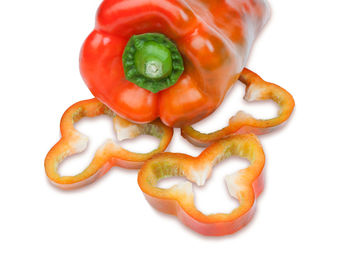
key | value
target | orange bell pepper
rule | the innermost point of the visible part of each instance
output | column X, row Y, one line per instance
column 108, row 155
column 257, row 89
column 245, row 185
column 185, row 57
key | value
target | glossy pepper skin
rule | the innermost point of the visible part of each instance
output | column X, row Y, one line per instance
column 214, row 38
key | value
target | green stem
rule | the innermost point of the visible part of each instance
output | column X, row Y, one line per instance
column 152, row 62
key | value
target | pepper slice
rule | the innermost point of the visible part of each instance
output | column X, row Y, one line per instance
column 109, row 154
column 244, row 185
column 257, row 89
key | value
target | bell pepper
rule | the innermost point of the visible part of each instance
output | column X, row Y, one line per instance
column 244, row 185
column 170, row 59
column 256, row 89
column 109, row 154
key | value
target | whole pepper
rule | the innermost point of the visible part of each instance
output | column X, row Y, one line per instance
column 184, row 58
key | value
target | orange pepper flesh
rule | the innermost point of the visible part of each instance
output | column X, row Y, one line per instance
column 257, row 89
column 108, row 155
column 245, row 185
column 214, row 38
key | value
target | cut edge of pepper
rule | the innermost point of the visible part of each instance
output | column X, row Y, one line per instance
column 244, row 185
column 109, row 154
column 241, row 123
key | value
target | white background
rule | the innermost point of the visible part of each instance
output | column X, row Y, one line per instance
column 305, row 205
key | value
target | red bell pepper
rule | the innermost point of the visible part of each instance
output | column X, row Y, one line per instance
column 185, row 57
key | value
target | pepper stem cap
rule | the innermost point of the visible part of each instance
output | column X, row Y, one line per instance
column 152, row 61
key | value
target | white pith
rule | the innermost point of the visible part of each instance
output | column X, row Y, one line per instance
column 254, row 93
column 124, row 133
column 200, row 177
column 79, row 143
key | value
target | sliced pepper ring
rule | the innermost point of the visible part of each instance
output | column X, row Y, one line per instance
column 257, row 89
column 244, row 185
column 109, row 154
